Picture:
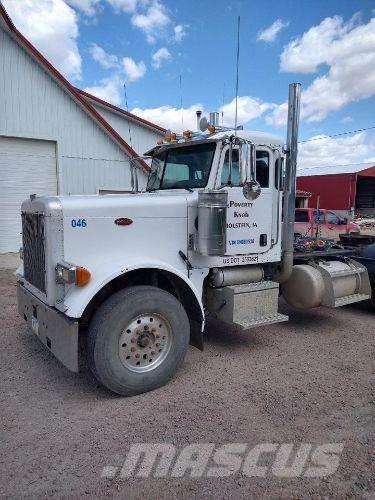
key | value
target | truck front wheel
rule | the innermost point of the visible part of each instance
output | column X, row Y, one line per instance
column 137, row 340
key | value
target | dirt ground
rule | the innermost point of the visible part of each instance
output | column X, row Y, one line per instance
column 305, row 381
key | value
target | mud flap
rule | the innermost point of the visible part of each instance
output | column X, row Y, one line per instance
column 196, row 335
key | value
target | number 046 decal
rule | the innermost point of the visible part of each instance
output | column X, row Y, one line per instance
column 78, row 223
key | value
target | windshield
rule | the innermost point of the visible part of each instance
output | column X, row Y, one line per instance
column 182, row 168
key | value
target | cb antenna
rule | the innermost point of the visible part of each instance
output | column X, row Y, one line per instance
column 237, row 70
column 182, row 109
column 127, row 109
column 222, row 108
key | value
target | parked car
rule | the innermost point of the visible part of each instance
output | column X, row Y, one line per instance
column 322, row 223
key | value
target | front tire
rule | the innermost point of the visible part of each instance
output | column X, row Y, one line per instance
column 137, row 340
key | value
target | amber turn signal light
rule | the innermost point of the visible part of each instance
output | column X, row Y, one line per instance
column 82, row 276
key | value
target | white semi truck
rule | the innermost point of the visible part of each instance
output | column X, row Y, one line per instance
column 137, row 273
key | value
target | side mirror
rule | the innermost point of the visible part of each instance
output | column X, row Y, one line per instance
column 251, row 188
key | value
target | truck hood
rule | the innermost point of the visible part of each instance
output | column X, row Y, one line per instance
column 140, row 205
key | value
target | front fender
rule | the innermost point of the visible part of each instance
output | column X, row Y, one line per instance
column 77, row 299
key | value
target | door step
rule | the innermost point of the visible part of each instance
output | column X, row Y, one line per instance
column 351, row 299
column 277, row 318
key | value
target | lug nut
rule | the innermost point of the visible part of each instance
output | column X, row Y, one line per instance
column 133, row 349
column 158, row 336
column 133, row 339
column 146, row 327
column 137, row 355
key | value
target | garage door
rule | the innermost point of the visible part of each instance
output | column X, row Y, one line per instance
column 26, row 166
column 365, row 199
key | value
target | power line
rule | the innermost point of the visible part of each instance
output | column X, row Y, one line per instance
column 337, row 135
column 339, row 165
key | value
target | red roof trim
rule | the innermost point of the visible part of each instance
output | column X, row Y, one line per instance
column 5, row 16
column 75, row 94
column 122, row 111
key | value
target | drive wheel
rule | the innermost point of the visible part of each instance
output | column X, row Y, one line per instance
column 137, row 340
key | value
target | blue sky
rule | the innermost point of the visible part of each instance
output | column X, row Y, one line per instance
column 328, row 46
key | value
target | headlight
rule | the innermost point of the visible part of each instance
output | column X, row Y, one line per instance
column 71, row 274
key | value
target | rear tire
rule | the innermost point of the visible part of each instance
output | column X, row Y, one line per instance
column 137, row 340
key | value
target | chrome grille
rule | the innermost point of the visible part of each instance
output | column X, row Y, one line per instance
column 33, row 249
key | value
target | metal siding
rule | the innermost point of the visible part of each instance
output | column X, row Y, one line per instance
column 33, row 105
column 142, row 139
column 336, row 191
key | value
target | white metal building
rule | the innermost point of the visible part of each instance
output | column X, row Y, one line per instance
column 54, row 138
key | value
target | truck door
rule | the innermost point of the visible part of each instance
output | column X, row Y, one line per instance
column 251, row 225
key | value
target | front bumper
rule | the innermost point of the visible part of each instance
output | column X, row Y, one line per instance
column 55, row 330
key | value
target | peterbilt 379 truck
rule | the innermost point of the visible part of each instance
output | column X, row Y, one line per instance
column 137, row 273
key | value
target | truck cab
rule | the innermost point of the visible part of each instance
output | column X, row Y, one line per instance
column 322, row 223
column 137, row 273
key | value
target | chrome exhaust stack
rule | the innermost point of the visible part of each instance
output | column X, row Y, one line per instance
column 286, row 265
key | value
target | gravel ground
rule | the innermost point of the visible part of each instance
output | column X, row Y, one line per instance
column 306, row 381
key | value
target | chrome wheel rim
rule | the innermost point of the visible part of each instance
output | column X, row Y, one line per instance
column 145, row 342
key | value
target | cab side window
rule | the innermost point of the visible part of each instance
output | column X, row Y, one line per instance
column 279, row 174
column 318, row 216
column 235, row 169
column 263, row 168
column 332, row 218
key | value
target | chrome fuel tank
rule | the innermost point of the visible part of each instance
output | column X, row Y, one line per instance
column 212, row 222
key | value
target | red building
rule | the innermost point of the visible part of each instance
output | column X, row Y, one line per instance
column 345, row 189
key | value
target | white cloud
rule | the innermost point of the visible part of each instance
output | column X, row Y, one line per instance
column 179, row 32
column 348, row 50
column 128, row 6
column 153, row 21
column 170, row 117
column 346, row 119
column 133, row 71
column 88, row 7
column 108, row 89
column 269, row 34
column 51, row 25
column 326, row 151
column 307, row 52
column 248, row 108
column 159, row 57
column 106, row 60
